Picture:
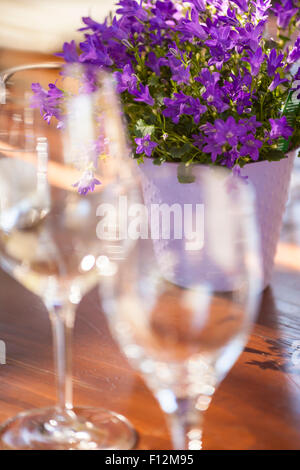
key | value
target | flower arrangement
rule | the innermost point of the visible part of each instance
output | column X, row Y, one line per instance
column 200, row 81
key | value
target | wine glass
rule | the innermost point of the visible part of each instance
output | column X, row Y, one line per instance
column 19, row 122
column 54, row 184
column 182, row 312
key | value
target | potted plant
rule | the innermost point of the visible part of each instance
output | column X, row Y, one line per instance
column 202, row 84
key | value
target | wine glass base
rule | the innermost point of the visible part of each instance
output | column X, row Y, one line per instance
column 79, row 429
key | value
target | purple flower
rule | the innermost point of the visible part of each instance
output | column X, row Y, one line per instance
column 54, row 94
column 223, row 40
column 238, row 90
column 284, row 11
column 47, row 101
column 207, row 78
column 118, row 53
column 163, row 14
column 255, row 59
column 235, row 179
column 274, row 62
column 236, row 173
column 261, row 10
column 69, row 52
column 132, row 25
column 294, row 55
column 176, row 106
column 229, row 158
column 183, row 104
column 145, row 145
column 222, row 133
column 222, row 37
column 105, row 32
column 159, row 22
column 89, row 81
column 242, row 4
column 143, row 95
column 154, row 62
column 93, row 25
column 197, row 109
column 277, row 80
column 252, row 124
column 250, row 36
column 198, row 140
column 131, row 8
column 39, row 97
column 115, row 31
column 228, row 131
column 86, row 183
column 180, row 72
column 250, row 146
column 191, row 28
column 230, row 18
column 157, row 37
column 212, row 147
column 165, row 8
column 155, row 50
column 296, row 84
column 280, row 128
column 213, row 94
column 297, row 74
column 199, row 5
column 127, row 80
column 94, row 51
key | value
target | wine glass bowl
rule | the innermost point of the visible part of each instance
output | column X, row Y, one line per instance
column 50, row 195
column 20, row 123
column 183, row 333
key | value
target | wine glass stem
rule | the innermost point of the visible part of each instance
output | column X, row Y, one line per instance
column 62, row 320
column 185, row 425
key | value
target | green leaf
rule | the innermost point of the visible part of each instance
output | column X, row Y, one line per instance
column 274, row 155
column 158, row 161
column 140, row 160
column 178, row 152
column 142, row 129
column 270, row 44
column 284, row 38
column 187, row 158
column 153, row 81
column 184, row 174
column 160, row 99
column 243, row 161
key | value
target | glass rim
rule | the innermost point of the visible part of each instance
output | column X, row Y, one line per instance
column 6, row 74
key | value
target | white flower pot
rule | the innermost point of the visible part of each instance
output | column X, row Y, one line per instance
column 270, row 181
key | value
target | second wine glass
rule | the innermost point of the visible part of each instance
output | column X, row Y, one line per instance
column 182, row 304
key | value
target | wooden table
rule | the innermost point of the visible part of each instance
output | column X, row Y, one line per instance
column 257, row 406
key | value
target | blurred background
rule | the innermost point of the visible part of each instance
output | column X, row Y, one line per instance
column 43, row 25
